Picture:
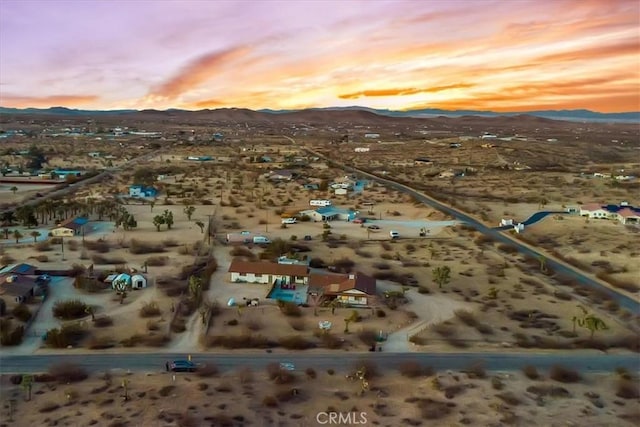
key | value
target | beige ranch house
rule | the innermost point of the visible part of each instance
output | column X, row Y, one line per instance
column 267, row 272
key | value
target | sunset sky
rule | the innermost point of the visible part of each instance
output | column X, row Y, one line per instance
column 501, row 55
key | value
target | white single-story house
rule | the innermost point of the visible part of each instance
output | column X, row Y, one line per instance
column 69, row 228
column 267, row 272
column 624, row 213
column 340, row 191
column 330, row 213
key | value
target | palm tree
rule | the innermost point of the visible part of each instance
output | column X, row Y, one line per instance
column 17, row 235
column 441, row 275
column 35, row 235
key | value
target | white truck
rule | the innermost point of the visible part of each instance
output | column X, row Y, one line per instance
column 320, row 202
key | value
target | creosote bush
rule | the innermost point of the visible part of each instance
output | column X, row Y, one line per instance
column 564, row 375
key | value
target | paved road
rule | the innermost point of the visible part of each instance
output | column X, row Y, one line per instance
column 585, row 362
column 623, row 300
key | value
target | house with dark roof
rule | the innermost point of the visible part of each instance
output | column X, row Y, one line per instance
column 70, row 227
column 355, row 289
column 20, row 287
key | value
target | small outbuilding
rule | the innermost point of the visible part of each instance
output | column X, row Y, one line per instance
column 138, row 281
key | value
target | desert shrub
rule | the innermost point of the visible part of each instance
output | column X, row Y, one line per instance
column 317, row 263
column 241, row 341
column 138, row 247
column 170, row 243
column 208, row 370
column 100, row 343
column 331, row 341
column 102, row 321
column 330, row 372
column 628, row 389
column 232, row 322
column 48, row 407
column 270, row 401
column 178, row 325
column 73, row 245
column 150, row 309
column 295, row 342
column 344, row 265
column 509, row 398
column 68, row 373
column 10, row 335
column 311, row 373
column 157, row 261
column 45, row 246
column 69, row 309
column 563, row 374
column 466, row 317
column 242, row 251
column 484, row 329
column 444, row 329
column 100, row 246
column 65, row 336
column 433, row 410
column 42, row 258
column 530, row 372
column 381, row 313
column 476, row 370
column 290, row 309
column 21, row 312
column 279, row 375
column 369, row 368
column 413, row 369
column 497, row 383
column 77, row 270
column 367, row 336
column 103, row 260
column 298, row 324
column 166, row 390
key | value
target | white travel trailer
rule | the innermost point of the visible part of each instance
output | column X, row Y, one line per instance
column 320, row 202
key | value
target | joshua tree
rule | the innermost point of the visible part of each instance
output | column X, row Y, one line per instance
column 17, row 235
column 201, row 225
column 348, row 320
column 14, row 189
column 589, row 321
column 441, row 275
column 92, row 311
column 27, row 385
column 121, row 288
column 168, row 218
column 195, row 287
column 543, row 264
column 35, row 235
column 152, row 203
column 158, row 220
column 125, row 386
column 188, row 211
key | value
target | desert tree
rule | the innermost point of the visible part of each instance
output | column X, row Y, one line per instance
column 588, row 321
column 168, row 218
column 27, row 385
column 17, row 235
column 152, row 203
column 120, row 285
column 158, row 221
column 14, row 189
column 35, row 235
column 195, row 287
column 200, row 224
column 92, row 311
column 441, row 275
column 354, row 317
column 188, row 211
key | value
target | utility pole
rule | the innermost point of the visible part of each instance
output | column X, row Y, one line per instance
column 209, row 230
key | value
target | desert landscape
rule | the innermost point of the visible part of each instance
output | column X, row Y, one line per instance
column 152, row 272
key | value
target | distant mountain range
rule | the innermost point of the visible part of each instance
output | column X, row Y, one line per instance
column 568, row 115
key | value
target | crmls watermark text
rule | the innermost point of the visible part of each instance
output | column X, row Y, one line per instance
column 341, row 418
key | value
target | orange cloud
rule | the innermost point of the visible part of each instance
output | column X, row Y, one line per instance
column 16, row 101
column 208, row 103
column 627, row 47
column 199, row 71
column 401, row 92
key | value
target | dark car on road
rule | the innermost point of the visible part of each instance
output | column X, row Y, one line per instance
column 182, row 366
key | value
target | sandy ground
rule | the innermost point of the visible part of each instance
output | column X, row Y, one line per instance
column 245, row 397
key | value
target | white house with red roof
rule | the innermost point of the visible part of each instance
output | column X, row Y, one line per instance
column 624, row 213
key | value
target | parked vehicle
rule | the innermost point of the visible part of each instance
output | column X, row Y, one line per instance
column 394, row 234
column 320, row 202
column 307, row 237
column 373, row 227
column 287, row 366
column 182, row 366
column 261, row 240
column 289, row 221
column 359, row 221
